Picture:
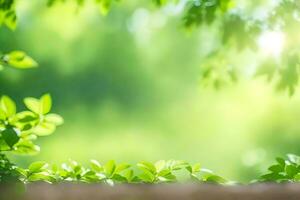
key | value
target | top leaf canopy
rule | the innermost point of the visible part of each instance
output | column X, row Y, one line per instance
column 242, row 26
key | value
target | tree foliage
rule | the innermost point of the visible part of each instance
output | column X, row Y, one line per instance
column 238, row 29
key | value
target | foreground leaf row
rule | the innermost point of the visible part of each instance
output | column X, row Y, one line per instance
column 111, row 173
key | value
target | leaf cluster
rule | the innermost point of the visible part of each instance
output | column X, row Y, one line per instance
column 238, row 30
column 18, row 130
column 112, row 173
column 284, row 170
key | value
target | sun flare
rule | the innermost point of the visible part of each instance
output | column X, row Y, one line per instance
column 271, row 42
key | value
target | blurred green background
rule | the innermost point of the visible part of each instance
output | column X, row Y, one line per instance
column 128, row 88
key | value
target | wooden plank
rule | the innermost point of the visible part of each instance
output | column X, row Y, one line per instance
column 153, row 192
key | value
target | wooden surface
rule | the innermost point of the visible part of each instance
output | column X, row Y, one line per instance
column 153, row 192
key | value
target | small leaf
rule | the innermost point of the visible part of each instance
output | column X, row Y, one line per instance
column 45, row 103
column 10, row 136
column 37, row 166
column 26, row 117
column 8, row 106
column 291, row 170
column 10, row 19
column 42, row 176
column 147, row 177
column 147, row 166
column 129, row 175
column 280, row 161
column 276, row 168
column 19, row 59
column 215, row 179
column 44, row 128
column 122, row 167
column 196, row 168
column 26, row 147
column 32, row 104
column 54, row 119
column 96, row 166
column 110, row 167
column 119, row 178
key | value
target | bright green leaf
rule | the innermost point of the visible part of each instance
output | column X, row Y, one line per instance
column 37, row 166
column 110, row 167
column 45, row 103
column 19, row 59
column 96, row 166
column 8, row 106
column 44, row 128
column 54, row 119
column 32, row 104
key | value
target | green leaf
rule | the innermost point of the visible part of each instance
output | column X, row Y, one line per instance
column 122, row 167
column 10, row 19
column 291, row 170
column 42, row 176
column 147, row 177
column 26, row 147
column 8, row 106
column 26, row 117
column 160, row 165
column 129, row 175
column 2, row 114
column 32, row 104
column 166, row 176
column 54, row 119
column 164, row 172
column 19, row 59
column 22, row 171
column 45, row 103
column 280, row 161
column 196, row 168
column 119, row 178
column 110, row 167
column 44, row 128
column 272, row 177
column 189, row 168
column 10, row 136
column 215, row 179
column 147, row 166
column 276, row 168
column 37, row 166
column 96, row 166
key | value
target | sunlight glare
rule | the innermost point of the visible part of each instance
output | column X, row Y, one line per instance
column 271, row 42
